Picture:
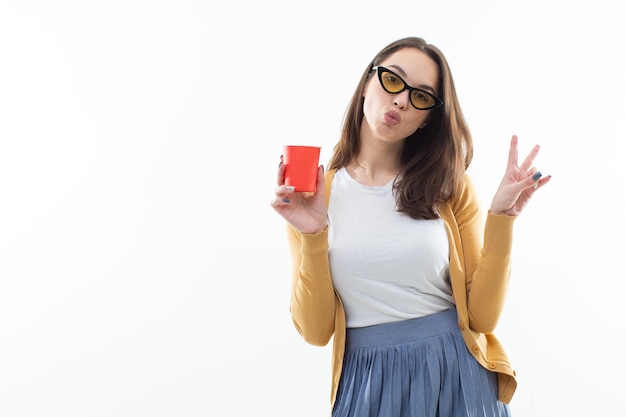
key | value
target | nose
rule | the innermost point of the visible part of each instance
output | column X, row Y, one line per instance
column 401, row 99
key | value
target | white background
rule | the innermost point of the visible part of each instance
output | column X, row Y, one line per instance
column 142, row 270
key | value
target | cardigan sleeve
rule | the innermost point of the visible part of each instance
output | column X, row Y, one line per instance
column 312, row 303
column 486, row 250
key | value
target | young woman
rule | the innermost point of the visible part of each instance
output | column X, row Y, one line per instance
column 392, row 256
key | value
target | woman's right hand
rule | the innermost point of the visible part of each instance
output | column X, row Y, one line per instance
column 306, row 212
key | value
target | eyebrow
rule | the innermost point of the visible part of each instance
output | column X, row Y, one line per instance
column 422, row 86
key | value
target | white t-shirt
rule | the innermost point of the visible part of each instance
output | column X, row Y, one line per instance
column 385, row 265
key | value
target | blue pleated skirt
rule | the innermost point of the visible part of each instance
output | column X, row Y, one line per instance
column 415, row 368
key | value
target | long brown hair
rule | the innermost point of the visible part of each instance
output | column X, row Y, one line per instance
column 434, row 158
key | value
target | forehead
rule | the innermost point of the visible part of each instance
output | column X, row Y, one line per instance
column 414, row 66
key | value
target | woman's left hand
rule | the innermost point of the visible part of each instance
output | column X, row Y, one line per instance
column 518, row 184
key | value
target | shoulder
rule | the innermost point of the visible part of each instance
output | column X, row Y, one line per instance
column 467, row 198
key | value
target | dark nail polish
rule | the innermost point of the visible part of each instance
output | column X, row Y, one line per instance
column 537, row 176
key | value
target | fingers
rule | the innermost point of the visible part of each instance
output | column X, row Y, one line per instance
column 513, row 152
column 534, row 176
column 275, row 203
column 543, row 181
column 537, row 180
column 279, row 202
column 528, row 162
column 320, row 178
column 280, row 180
column 533, row 180
column 513, row 156
column 283, row 194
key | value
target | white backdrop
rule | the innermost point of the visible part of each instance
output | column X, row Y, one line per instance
column 142, row 270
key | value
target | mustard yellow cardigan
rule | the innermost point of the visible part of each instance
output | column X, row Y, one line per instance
column 479, row 275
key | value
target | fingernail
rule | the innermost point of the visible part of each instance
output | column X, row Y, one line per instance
column 286, row 200
column 281, row 161
column 291, row 188
column 537, row 176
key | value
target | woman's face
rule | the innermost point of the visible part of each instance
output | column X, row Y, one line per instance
column 392, row 117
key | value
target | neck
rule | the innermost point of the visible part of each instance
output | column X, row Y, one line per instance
column 375, row 165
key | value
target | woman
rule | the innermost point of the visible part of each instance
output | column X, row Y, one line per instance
column 392, row 256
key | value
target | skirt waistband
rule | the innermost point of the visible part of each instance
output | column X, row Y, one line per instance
column 404, row 331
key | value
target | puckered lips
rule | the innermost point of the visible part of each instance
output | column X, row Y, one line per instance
column 392, row 117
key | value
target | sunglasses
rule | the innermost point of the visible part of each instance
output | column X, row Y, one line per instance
column 394, row 84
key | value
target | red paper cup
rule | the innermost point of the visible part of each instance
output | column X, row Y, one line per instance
column 301, row 164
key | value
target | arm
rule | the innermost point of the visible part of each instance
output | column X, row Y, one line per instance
column 488, row 270
column 312, row 293
column 486, row 250
column 313, row 300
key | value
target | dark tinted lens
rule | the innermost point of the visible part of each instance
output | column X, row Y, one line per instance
column 421, row 100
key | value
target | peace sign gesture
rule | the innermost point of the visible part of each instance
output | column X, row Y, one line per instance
column 519, row 183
